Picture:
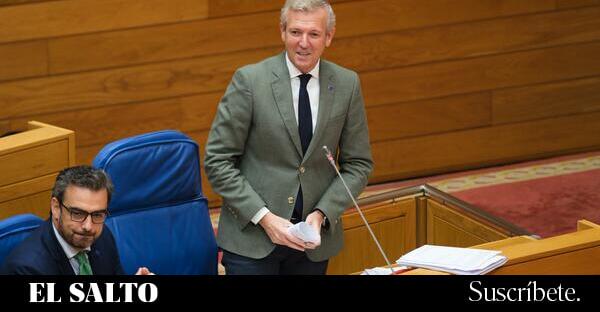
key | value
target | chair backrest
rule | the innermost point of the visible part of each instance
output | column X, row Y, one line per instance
column 14, row 229
column 158, row 214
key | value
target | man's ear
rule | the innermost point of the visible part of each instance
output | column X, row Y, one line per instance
column 55, row 208
column 282, row 30
column 329, row 37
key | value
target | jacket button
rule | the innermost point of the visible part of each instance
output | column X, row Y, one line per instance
column 302, row 169
column 290, row 200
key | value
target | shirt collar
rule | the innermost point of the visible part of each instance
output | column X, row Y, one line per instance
column 295, row 72
column 70, row 251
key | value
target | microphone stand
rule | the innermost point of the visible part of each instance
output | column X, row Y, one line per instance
column 332, row 162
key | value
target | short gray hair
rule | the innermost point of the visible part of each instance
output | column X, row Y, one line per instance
column 308, row 6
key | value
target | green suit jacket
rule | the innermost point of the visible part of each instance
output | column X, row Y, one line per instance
column 254, row 157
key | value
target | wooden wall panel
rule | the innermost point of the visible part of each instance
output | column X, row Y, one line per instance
column 213, row 73
column 123, row 85
column 219, row 8
column 425, row 117
column 575, row 3
column 61, row 18
column 158, row 43
column 12, row 2
column 38, row 164
column 484, row 73
column 23, row 60
column 367, row 17
column 486, row 146
column 39, row 204
column 547, row 100
column 110, row 123
column 393, row 224
column 466, row 40
column 448, row 227
column 466, row 83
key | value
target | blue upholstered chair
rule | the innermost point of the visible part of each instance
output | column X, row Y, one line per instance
column 158, row 214
column 13, row 230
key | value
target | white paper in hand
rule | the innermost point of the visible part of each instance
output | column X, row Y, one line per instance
column 305, row 232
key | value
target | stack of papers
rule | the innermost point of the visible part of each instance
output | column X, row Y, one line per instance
column 460, row 261
column 305, row 232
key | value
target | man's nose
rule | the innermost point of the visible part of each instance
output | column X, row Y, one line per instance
column 304, row 41
column 87, row 223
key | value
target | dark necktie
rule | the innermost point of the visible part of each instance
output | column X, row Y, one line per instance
column 305, row 130
column 304, row 114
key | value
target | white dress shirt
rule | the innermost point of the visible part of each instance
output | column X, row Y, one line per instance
column 69, row 250
column 313, row 95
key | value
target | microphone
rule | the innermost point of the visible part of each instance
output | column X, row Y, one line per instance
column 332, row 162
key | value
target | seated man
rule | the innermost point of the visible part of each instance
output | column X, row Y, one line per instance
column 74, row 239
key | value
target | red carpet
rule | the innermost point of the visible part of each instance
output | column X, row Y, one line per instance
column 547, row 206
column 546, row 197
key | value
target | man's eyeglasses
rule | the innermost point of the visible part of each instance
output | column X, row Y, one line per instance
column 79, row 215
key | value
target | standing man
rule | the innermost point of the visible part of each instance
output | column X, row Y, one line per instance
column 264, row 152
column 74, row 240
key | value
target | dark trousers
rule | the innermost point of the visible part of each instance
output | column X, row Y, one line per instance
column 282, row 261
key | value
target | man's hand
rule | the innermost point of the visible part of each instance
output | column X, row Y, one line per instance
column 315, row 219
column 143, row 271
column 277, row 229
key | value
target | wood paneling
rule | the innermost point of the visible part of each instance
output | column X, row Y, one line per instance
column 212, row 74
column 462, row 84
column 33, row 186
column 61, row 18
column 183, row 40
column 38, row 204
column 12, row 2
column 29, row 162
column 123, row 85
column 366, row 17
column 33, row 162
column 111, row 123
column 485, row 146
column 160, row 43
column 217, row 8
column 484, row 73
column 547, row 100
column 575, row 3
column 393, row 224
column 450, row 42
column 449, row 227
column 429, row 116
column 23, row 60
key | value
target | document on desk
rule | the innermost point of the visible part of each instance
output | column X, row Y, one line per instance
column 455, row 260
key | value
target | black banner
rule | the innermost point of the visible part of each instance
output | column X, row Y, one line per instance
column 332, row 290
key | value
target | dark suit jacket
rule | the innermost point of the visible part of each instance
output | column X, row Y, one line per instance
column 41, row 254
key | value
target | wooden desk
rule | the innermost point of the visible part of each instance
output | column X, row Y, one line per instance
column 29, row 162
column 572, row 253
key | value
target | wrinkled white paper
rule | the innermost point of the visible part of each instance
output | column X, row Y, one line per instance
column 305, row 232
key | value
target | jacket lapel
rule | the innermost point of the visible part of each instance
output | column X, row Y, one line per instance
column 326, row 101
column 282, row 91
column 54, row 248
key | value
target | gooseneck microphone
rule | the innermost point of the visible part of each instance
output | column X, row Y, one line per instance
column 332, row 162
